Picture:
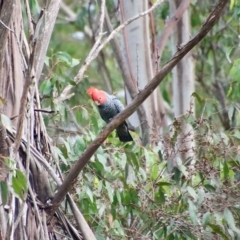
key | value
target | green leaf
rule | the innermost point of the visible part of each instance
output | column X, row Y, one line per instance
column 64, row 57
column 118, row 227
column 84, row 113
column 109, row 190
column 59, row 154
column 75, row 62
column 192, row 211
column 147, row 156
column 192, row 193
column 201, row 196
column 230, row 89
column 225, row 170
column 46, row 87
column 161, row 195
column 4, row 192
column 46, row 61
column 199, row 99
column 101, row 210
column 236, row 134
column 232, row 3
column 7, row 123
column 102, row 159
column 230, row 220
column 205, row 219
column 210, row 187
column 217, row 229
column 234, row 72
column 89, row 193
column 177, row 175
column 183, row 169
column 154, row 172
column 19, row 183
column 162, row 184
column 143, row 173
column 22, row 179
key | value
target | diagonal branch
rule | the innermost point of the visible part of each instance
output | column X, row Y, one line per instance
column 170, row 24
column 140, row 98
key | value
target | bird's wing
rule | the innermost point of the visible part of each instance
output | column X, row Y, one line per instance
column 118, row 104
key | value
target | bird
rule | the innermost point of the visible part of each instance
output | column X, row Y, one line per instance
column 109, row 106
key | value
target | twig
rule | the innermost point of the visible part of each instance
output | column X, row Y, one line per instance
column 171, row 23
column 29, row 81
column 18, row 43
column 146, row 92
column 64, row 95
column 44, row 111
column 6, row 26
column 100, row 35
column 30, row 25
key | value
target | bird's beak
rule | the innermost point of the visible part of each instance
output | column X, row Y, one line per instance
column 97, row 103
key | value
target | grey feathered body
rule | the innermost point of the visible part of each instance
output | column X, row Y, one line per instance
column 111, row 108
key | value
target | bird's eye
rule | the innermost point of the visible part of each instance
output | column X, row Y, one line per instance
column 100, row 98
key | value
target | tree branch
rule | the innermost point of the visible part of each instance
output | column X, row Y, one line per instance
column 150, row 87
column 170, row 24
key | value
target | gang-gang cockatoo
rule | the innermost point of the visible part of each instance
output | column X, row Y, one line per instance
column 109, row 106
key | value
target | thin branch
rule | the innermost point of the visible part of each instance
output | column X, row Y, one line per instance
column 30, row 78
column 100, row 35
column 6, row 26
column 71, row 15
column 65, row 93
column 18, row 43
column 29, row 18
column 170, row 24
column 44, row 111
column 146, row 92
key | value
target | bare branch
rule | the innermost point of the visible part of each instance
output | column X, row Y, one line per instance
column 170, row 24
column 146, row 92
column 65, row 93
column 100, row 35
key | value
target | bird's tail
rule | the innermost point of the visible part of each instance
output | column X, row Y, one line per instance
column 123, row 133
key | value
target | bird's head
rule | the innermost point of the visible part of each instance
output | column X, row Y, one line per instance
column 98, row 96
